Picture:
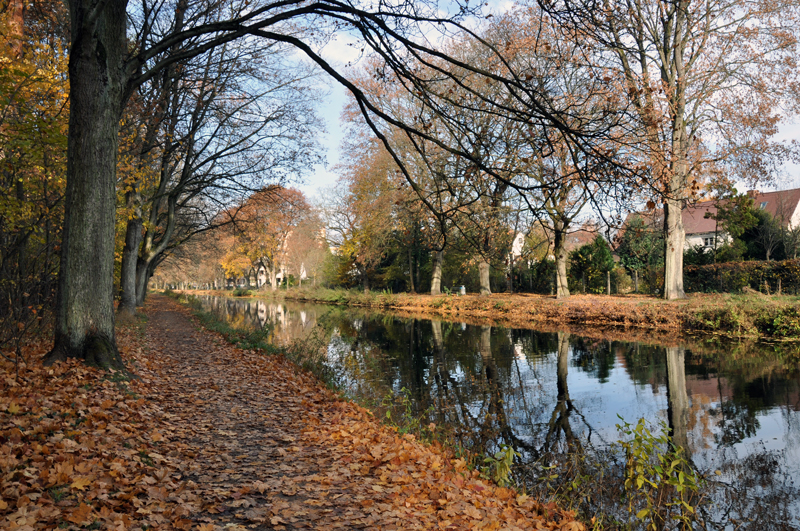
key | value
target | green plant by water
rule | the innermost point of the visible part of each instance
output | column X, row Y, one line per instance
column 498, row 467
column 660, row 483
column 643, row 481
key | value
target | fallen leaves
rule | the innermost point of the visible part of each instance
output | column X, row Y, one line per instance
column 215, row 438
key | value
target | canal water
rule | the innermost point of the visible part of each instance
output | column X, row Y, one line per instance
column 559, row 400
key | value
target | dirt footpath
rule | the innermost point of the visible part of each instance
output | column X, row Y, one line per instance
column 265, row 446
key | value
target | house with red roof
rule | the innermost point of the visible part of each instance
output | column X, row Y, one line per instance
column 701, row 228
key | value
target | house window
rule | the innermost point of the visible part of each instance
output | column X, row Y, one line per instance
column 708, row 241
column 763, row 205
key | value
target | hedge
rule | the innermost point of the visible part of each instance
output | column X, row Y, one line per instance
column 732, row 277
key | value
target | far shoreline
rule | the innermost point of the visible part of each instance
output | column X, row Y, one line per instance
column 753, row 315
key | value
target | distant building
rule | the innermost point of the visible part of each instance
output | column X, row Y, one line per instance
column 701, row 228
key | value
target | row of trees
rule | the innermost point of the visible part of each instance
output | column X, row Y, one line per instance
column 543, row 109
column 191, row 142
column 663, row 100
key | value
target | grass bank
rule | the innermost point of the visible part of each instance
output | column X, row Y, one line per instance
column 735, row 315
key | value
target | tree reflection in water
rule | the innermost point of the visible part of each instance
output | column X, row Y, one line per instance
column 555, row 398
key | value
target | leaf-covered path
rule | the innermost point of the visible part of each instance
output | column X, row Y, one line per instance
column 220, row 438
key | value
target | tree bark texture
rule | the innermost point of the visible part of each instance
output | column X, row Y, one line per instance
column 436, row 277
column 560, row 252
column 130, row 256
column 483, row 270
column 84, row 326
column 674, row 237
column 144, row 270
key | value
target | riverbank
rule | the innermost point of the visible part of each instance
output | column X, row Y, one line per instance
column 213, row 437
column 748, row 315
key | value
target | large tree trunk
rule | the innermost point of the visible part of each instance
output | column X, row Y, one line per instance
column 674, row 237
column 84, row 326
column 483, row 270
column 436, row 277
column 130, row 255
column 560, row 252
column 273, row 277
column 674, row 234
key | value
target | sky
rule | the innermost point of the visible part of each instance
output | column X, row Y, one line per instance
column 339, row 52
column 322, row 177
column 343, row 51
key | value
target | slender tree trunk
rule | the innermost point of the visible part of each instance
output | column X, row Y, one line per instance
column 84, row 324
column 674, row 238
column 144, row 272
column 509, row 276
column 562, row 367
column 411, row 270
column 560, row 252
column 417, row 268
column 130, row 255
column 486, row 352
column 436, row 278
column 483, row 271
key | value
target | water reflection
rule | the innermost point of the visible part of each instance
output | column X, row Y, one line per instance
column 734, row 408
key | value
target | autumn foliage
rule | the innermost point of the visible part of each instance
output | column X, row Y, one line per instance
column 211, row 437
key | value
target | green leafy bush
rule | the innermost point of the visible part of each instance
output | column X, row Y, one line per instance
column 498, row 467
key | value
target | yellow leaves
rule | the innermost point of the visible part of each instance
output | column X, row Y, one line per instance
column 81, row 482
column 13, row 409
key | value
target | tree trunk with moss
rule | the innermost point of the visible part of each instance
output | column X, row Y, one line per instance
column 84, row 326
